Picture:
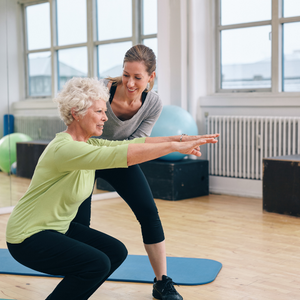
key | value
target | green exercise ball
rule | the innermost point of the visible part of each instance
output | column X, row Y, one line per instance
column 8, row 149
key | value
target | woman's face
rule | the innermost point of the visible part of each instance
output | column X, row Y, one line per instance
column 93, row 121
column 135, row 79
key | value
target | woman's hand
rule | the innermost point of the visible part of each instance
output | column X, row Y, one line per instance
column 193, row 147
column 186, row 138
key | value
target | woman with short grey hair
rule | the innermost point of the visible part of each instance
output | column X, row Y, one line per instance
column 79, row 93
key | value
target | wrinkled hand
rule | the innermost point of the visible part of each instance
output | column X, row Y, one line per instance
column 193, row 147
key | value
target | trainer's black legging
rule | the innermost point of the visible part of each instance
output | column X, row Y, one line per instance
column 84, row 256
column 131, row 184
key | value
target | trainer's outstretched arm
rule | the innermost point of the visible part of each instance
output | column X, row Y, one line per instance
column 139, row 153
column 176, row 138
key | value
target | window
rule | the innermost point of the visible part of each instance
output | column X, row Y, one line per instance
column 38, row 44
column 258, row 48
column 291, row 57
column 67, row 38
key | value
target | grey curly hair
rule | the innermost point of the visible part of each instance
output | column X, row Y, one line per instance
column 79, row 94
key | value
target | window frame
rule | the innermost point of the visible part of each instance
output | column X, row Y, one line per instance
column 277, row 21
column 91, row 44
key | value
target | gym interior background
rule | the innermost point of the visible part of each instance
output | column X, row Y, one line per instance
column 212, row 61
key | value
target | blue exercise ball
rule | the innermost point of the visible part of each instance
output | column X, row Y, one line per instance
column 174, row 120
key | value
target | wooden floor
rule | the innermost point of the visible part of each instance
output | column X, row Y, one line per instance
column 259, row 251
column 12, row 189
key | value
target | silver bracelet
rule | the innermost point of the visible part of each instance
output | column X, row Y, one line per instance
column 180, row 140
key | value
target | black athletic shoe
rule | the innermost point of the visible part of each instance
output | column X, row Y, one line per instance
column 164, row 289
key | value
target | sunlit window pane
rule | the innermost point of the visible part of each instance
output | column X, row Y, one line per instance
column 110, row 59
column 246, row 58
column 72, row 63
column 243, row 11
column 38, row 26
column 291, row 8
column 149, row 17
column 291, row 59
column 152, row 43
column 39, row 71
column 114, row 19
column 71, row 22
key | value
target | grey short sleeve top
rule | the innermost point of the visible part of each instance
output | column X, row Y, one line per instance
column 140, row 125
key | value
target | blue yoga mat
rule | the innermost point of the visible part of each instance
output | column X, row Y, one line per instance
column 136, row 268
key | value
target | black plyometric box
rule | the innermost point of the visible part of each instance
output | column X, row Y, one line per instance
column 173, row 180
column 28, row 154
column 281, row 188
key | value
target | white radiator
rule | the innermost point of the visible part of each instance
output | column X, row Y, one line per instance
column 244, row 141
column 39, row 127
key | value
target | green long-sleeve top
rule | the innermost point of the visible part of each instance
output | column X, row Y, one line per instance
column 63, row 179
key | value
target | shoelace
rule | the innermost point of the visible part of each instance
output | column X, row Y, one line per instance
column 169, row 287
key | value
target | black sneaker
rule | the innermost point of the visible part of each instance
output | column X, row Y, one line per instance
column 164, row 289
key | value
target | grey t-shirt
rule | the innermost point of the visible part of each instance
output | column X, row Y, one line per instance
column 140, row 125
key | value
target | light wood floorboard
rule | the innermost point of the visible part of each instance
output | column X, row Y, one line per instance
column 259, row 251
column 12, row 189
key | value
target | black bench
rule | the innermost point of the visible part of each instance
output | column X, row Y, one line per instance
column 173, row 180
column 281, row 185
column 28, row 154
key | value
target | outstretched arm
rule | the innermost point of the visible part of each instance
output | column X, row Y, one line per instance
column 176, row 138
column 139, row 153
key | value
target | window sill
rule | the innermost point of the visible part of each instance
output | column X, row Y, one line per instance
column 251, row 99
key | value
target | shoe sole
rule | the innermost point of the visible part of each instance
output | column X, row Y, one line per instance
column 156, row 295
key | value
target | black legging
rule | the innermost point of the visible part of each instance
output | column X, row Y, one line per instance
column 132, row 186
column 84, row 256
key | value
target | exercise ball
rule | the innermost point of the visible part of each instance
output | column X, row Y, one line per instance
column 8, row 149
column 174, row 120
column 13, row 168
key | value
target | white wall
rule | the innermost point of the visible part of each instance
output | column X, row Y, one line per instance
column 11, row 72
column 3, row 69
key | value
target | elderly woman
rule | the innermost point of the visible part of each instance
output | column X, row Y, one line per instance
column 40, row 234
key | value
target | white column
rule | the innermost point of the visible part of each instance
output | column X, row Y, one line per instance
column 164, row 49
column 172, row 52
column 184, row 71
column 184, row 38
column 201, row 56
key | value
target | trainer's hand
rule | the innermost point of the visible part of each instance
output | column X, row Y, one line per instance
column 214, row 135
column 187, row 138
